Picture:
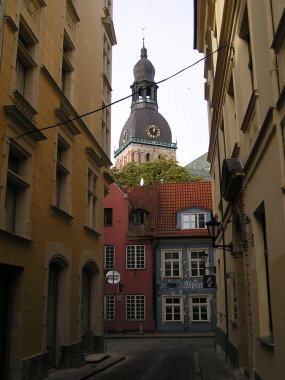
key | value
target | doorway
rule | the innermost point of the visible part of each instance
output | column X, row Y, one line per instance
column 52, row 305
column 6, row 284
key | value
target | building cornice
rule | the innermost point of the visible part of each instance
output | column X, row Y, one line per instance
column 134, row 140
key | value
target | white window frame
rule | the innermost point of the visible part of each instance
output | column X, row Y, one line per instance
column 109, row 257
column 195, row 262
column 166, row 304
column 200, row 305
column 171, row 261
column 135, row 307
column 109, row 307
column 191, row 221
column 135, row 256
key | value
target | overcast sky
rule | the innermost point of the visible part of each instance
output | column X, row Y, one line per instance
column 168, row 33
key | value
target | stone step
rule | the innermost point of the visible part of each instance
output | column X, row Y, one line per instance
column 96, row 358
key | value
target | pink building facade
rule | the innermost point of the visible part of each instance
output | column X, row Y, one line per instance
column 129, row 304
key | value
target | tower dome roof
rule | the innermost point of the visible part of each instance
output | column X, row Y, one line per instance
column 144, row 69
column 139, row 120
column 145, row 126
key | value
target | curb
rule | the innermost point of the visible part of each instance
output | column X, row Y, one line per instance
column 85, row 371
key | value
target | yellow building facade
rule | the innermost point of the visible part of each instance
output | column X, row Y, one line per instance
column 55, row 85
column 243, row 44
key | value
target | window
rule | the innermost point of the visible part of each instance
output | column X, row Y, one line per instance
column 171, row 263
column 200, row 309
column 25, row 62
column 197, row 269
column 109, row 308
column 108, row 217
column 17, row 190
column 67, row 67
column 62, row 193
column 263, row 280
column 92, row 199
column 245, row 35
column 135, row 257
column 135, row 307
column 109, row 257
column 106, row 58
column 193, row 221
column 235, row 307
column 278, row 43
column 105, row 135
column 139, row 217
column 172, row 309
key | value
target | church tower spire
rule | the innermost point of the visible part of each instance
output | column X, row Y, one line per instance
column 144, row 88
column 146, row 134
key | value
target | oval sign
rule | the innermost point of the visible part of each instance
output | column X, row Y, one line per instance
column 113, row 277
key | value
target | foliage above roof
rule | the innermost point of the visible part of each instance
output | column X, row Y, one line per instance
column 162, row 170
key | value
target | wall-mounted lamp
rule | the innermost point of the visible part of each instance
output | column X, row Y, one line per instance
column 213, row 227
column 204, row 259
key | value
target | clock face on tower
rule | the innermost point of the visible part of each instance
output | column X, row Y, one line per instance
column 125, row 135
column 153, row 131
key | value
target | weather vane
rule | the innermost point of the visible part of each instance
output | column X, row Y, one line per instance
column 143, row 29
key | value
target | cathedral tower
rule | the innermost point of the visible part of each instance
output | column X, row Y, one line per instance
column 146, row 135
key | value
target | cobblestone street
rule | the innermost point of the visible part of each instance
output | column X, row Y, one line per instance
column 155, row 358
column 129, row 346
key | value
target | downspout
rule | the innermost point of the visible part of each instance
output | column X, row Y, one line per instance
column 224, row 251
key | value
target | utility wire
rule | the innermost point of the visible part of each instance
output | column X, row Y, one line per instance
column 119, row 100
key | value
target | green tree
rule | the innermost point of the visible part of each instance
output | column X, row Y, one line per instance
column 160, row 170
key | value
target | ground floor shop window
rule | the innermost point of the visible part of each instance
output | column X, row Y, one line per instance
column 172, row 309
column 200, row 308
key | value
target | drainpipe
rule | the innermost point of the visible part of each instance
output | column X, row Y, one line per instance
column 224, row 251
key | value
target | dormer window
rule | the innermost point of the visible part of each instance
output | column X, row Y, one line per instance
column 139, row 217
column 193, row 220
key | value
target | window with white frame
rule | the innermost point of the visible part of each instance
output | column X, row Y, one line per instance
column 172, row 308
column 196, row 267
column 109, row 307
column 92, row 199
column 171, row 263
column 109, row 257
column 17, row 189
column 193, row 220
column 135, row 257
column 200, row 308
column 135, row 307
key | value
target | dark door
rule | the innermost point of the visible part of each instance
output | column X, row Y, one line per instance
column 52, row 313
column 5, row 295
column 85, row 305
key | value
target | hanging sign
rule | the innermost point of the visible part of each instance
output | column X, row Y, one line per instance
column 209, row 281
column 113, row 277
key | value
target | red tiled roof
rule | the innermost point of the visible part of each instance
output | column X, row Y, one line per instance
column 143, row 198
column 174, row 197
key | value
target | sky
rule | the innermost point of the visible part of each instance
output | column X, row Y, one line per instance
column 167, row 27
